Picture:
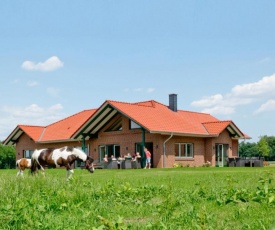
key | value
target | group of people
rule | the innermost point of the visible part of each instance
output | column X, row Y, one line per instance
column 133, row 157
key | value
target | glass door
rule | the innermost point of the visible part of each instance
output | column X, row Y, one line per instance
column 221, row 154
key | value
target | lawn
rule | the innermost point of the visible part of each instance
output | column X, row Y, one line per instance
column 180, row 198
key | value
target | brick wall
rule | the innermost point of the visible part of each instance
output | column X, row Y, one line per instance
column 204, row 148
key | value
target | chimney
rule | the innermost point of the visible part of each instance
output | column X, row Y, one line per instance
column 173, row 102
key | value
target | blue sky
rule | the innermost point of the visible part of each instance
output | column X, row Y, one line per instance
column 60, row 57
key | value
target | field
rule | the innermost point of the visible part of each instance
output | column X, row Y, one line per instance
column 180, row 198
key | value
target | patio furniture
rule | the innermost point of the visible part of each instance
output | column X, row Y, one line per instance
column 127, row 163
column 98, row 164
column 231, row 162
column 258, row 163
column 112, row 164
column 240, row 162
column 136, row 164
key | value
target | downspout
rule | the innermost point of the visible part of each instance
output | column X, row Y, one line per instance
column 164, row 150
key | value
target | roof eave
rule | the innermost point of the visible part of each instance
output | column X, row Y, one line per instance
column 56, row 141
column 17, row 132
column 183, row 134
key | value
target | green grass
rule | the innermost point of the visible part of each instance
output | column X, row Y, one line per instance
column 181, row 198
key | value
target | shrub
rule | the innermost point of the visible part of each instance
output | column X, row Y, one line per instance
column 177, row 165
column 207, row 164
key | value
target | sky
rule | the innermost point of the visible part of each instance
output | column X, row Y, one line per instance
column 58, row 58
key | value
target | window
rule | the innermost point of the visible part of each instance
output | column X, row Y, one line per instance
column 28, row 154
column 184, row 150
column 134, row 125
column 116, row 126
column 109, row 150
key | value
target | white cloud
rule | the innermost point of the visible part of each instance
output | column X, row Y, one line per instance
column 266, row 107
column 244, row 94
column 150, row 90
column 264, row 60
column 219, row 110
column 33, row 83
column 208, row 101
column 51, row 64
column 138, row 89
column 11, row 116
column 264, row 86
column 15, row 81
column 54, row 92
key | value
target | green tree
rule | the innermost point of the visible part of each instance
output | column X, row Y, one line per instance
column 7, row 157
column 263, row 148
column 271, row 143
column 247, row 149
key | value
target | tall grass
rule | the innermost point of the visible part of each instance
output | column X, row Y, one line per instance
column 182, row 198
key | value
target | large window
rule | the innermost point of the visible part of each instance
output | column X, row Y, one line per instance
column 110, row 150
column 184, row 150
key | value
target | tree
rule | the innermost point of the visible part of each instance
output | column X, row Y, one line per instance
column 7, row 157
column 247, row 149
column 263, row 148
column 271, row 143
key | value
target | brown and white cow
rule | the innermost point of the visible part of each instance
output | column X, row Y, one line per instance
column 63, row 157
column 23, row 164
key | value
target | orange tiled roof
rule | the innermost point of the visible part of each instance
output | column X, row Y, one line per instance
column 152, row 115
column 157, row 117
column 65, row 128
column 60, row 130
column 33, row 132
column 216, row 127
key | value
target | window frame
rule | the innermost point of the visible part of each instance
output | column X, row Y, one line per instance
column 186, row 146
column 28, row 153
column 133, row 125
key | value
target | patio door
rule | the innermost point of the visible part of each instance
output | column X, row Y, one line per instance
column 221, row 154
column 149, row 146
column 110, row 150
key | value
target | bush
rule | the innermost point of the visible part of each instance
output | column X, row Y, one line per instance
column 177, row 165
column 207, row 164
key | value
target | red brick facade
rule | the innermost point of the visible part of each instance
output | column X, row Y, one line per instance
column 204, row 148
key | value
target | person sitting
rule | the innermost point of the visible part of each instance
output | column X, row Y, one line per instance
column 105, row 159
column 128, row 156
column 113, row 158
column 138, row 155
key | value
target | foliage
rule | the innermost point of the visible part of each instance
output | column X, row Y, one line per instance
column 263, row 147
column 177, row 165
column 206, row 164
column 247, row 149
column 177, row 198
column 7, row 157
column 271, row 143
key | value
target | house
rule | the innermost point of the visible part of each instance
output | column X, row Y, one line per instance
column 117, row 128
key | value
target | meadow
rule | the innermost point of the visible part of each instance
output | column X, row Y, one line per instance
column 178, row 198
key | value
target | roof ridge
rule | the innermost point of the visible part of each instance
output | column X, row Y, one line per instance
column 140, row 103
column 220, row 121
column 75, row 114
column 188, row 111
column 40, row 126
